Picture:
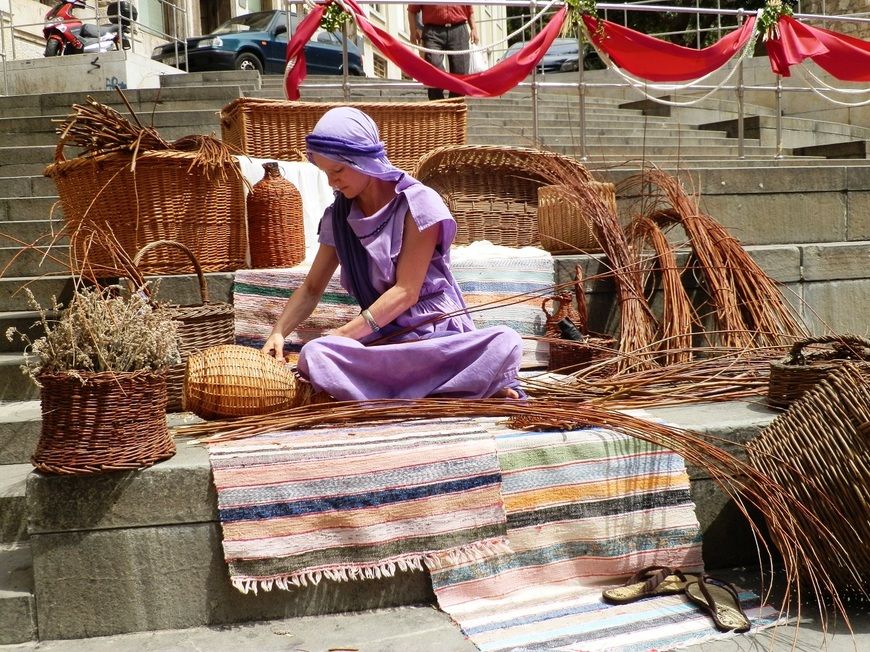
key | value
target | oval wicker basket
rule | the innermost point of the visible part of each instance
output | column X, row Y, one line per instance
column 101, row 422
column 800, row 371
column 199, row 327
column 163, row 197
column 562, row 222
column 233, row 381
column 819, row 452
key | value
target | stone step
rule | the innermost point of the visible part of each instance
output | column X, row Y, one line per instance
column 40, row 232
column 33, row 261
column 27, row 186
column 17, row 602
column 14, row 385
column 13, row 514
column 20, row 209
column 602, row 138
column 146, row 528
column 20, row 424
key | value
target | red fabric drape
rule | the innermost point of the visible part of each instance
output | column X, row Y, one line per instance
column 844, row 57
column 656, row 60
column 496, row 81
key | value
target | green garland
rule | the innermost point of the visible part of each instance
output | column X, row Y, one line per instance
column 579, row 8
column 770, row 15
column 333, row 18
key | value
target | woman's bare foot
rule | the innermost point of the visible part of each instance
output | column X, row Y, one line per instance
column 507, row 392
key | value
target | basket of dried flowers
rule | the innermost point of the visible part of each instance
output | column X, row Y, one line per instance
column 130, row 183
column 199, row 326
column 234, row 381
column 805, row 366
column 101, row 367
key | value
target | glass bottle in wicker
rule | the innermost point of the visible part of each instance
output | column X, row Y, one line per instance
column 275, row 222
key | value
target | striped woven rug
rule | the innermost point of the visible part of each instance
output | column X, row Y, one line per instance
column 361, row 502
column 484, row 272
column 585, row 509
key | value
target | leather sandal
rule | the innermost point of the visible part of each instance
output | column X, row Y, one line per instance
column 649, row 582
column 720, row 600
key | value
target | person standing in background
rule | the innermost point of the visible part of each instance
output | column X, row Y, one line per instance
column 445, row 28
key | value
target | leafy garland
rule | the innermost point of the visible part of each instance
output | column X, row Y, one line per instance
column 334, row 17
column 770, row 15
column 579, row 8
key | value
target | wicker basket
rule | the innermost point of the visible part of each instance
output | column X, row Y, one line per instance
column 101, row 422
column 277, row 129
column 562, row 223
column 275, row 221
column 199, row 327
column 234, row 381
column 819, row 451
column 493, row 191
column 800, row 371
column 163, row 199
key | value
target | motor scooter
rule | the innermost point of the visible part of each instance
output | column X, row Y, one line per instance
column 65, row 33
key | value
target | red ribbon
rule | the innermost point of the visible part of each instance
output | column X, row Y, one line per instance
column 844, row 57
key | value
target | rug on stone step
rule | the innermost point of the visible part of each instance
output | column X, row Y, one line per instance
column 585, row 509
column 357, row 502
column 484, row 272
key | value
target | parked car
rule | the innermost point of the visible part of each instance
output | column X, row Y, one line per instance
column 258, row 41
column 562, row 56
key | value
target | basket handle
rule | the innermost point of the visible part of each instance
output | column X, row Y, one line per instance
column 845, row 341
column 203, row 288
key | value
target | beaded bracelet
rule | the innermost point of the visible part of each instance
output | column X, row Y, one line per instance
column 370, row 320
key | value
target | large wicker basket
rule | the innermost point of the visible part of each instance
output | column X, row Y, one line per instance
column 199, row 326
column 562, row 222
column 819, row 451
column 277, row 129
column 162, row 198
column 804, row 367
column 234, row 381
column 100, row 422
column 493, row 191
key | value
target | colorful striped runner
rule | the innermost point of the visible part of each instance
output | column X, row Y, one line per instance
column 361, row 502
column 585, row 509
column 483, row 272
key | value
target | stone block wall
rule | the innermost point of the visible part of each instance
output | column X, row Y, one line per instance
column 841, row 8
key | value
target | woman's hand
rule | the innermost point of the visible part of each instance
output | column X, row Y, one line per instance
column 274, row 346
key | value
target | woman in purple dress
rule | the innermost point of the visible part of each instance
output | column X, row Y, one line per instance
column 391, row 235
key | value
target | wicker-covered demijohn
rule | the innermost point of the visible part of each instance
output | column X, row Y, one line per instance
column 96, row 422
column 806, row 365
column 275, row 221
column 493, row 191
column 562, row 222
column 199, row 326
column 234, row 381
column 819, row 452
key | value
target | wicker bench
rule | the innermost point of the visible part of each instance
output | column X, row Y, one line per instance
column 277, row 129
column 493, row 191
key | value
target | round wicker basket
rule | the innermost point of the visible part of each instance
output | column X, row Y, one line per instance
column 562, row 221
column 100, row 422
column 233, row 381
column 803, row 368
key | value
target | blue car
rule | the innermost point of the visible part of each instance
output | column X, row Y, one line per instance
column 258, row 41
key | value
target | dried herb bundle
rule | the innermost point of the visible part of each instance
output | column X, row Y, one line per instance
column 101, row 331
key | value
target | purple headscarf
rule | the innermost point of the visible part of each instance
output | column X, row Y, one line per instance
column 351, row 137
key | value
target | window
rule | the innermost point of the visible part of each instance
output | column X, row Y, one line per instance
column 380, row 66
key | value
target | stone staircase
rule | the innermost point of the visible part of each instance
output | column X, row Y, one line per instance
column 83, row 557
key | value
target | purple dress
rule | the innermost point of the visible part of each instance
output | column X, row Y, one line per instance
column 447, row 357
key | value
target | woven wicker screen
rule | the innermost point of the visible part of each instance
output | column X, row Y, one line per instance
column 277, row 129
column 493, row 191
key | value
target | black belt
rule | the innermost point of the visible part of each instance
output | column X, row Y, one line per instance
column 445, row 26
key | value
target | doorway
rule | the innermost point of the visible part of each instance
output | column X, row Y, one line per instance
column 214, row 12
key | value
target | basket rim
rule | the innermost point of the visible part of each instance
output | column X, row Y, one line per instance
column 147, row 156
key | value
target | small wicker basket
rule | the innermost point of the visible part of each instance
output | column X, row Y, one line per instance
column 233, row 381
column 800, row 371
column 819, row 452
column 568, row 355
column 199, row 327
column 275, row 221
column 100, row 422
column 562, row 222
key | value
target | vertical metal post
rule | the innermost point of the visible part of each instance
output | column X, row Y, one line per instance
column 778, row 117
column 697, row 24
column 3, row 55
column 581, row 95
column 12, row 31
column 535, row 141
column 740, row 108
column 345, row 86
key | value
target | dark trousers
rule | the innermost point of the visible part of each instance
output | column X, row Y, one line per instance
column 438, row 37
